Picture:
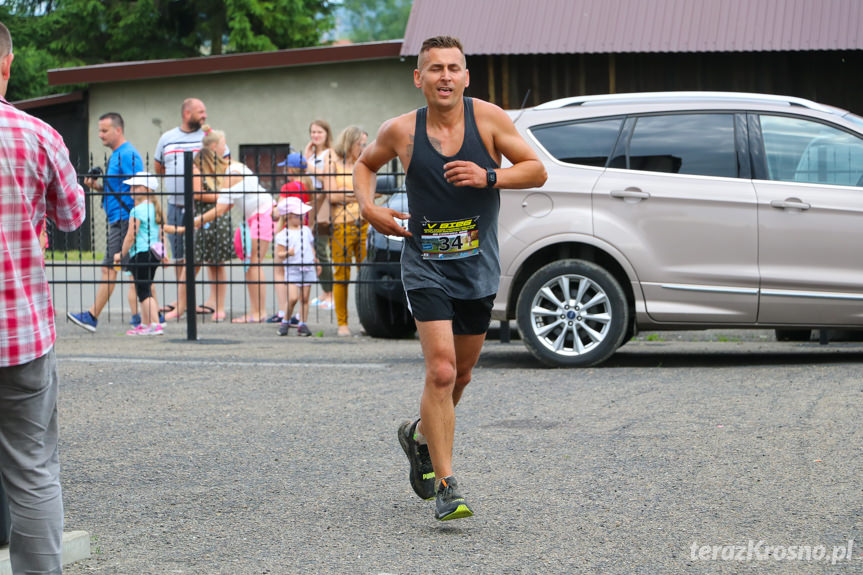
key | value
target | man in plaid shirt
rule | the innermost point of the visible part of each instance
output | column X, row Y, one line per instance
column 35, row 177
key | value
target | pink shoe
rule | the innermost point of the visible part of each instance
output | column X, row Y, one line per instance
column 138, row 330
column 155, row 330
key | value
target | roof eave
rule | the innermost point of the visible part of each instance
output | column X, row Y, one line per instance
column 47, row 101
column 120, row 71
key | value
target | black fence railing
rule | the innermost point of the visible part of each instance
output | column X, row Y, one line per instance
column 75, row 261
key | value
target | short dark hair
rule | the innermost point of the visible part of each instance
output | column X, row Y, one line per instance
column 438, row 42
column 441, row 42
column 116, row 120
column 5, row 41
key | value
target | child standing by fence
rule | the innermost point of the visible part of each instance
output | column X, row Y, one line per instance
column 295, row 246
column 143, row 244
column 298, row 185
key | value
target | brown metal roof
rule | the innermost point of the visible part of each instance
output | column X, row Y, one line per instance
column 114, row 72
column 618, row 26
column 48, row 101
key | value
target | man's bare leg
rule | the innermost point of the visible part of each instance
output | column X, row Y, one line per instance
column 449, row 363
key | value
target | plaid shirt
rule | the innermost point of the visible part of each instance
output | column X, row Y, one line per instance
column 35, row 176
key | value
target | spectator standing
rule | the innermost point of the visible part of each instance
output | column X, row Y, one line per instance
column 251, row 208
column 213, row 242
column 40, row 180
column 349, row 231
column 142, row 241
column 294, row 246
column 168, row 161
column 116, row 201
column 299, row 186
column 317, row 153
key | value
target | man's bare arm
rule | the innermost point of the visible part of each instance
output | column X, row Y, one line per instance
column 527, row 171
column 373, row 158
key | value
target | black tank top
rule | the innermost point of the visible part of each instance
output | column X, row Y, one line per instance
column 454, row 245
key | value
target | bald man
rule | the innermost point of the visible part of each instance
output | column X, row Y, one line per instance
column 168, row 160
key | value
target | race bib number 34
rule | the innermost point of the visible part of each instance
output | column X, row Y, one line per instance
column 450, row 240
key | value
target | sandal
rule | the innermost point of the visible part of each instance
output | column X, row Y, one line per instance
column 245, row 319
column 218, row 317
column 166, row 308
column 201, row 309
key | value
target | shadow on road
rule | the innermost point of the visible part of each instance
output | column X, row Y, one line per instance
column 516, row 357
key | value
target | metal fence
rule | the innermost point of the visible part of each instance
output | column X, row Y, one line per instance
column 74, row 260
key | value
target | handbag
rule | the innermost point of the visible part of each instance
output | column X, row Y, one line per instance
column 158, row 250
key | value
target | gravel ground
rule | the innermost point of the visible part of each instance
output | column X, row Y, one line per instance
column 246, row 453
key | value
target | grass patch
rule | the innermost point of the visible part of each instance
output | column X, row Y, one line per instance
column 73, row 256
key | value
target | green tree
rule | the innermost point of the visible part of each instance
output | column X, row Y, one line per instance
column 376, row 20
column 61, row 33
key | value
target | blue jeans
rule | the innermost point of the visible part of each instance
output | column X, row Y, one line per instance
column 30, row 464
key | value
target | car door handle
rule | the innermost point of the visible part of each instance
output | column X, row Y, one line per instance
column 630, row 194
column 790, row 204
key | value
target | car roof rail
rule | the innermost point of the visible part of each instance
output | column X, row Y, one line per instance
column 684, row 96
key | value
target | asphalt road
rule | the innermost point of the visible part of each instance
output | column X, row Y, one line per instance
column 246, row 453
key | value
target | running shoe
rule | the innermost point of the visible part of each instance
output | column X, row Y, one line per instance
column 155, row 329
column 284, row 328
column 303, row 330
column 422, row 473
column 449, row 504
column 294, row 321
column 275, row 318
column 139, row 330
column 84, row 319
column 136, row 320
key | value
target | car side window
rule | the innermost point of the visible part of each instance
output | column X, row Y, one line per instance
column 586, row 143
column 799, row 150
column 695, row 144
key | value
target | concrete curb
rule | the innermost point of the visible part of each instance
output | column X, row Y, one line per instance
column 76, row 546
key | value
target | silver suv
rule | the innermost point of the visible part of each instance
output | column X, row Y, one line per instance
column 674, row 210
column 682, row 210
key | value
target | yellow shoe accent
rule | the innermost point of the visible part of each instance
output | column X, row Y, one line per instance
column 460, row 512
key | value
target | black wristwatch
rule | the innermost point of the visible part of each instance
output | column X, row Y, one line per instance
column 490, row 177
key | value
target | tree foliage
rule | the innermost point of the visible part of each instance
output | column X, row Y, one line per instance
column 376, row 20
column 60, row 33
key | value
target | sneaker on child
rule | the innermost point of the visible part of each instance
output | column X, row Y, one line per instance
column 138, row 330
column 303, row 330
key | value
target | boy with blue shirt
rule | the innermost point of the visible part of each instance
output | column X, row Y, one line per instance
column 124, row 162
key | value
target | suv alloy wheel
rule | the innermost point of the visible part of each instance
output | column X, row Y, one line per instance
column 572, row 313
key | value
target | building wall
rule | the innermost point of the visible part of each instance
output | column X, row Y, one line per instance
column 260, row 106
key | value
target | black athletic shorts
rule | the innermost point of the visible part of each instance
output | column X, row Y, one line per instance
column 469, row 316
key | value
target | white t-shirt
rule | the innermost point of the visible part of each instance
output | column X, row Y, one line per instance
column 247, row 198
column 169, row 153
column 302, row 242
column 319, row 163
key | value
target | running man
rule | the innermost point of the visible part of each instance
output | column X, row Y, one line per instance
column 451, row 151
